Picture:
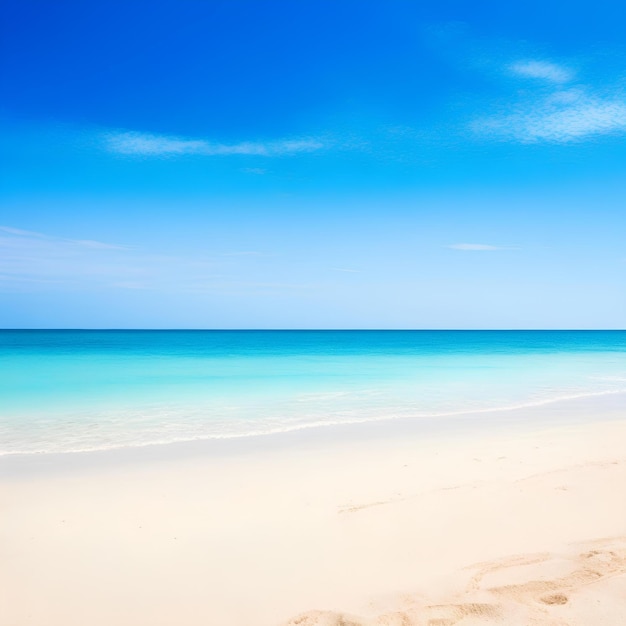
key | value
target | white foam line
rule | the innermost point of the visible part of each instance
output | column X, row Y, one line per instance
column 318, row 424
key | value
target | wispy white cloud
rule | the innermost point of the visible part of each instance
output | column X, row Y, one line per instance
column 476, row 247
column 545, row 70
column 29, row 257
column 21, row 236
column 32, row 260
column 20, row 232
column 560, row 117
column 96, row 245
column 556, row 113
column 150, row 145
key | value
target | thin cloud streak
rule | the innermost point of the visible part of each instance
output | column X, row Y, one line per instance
column 20, row 235
column 29, row 258
column 150, row 145
column 20, row 232
column 471, row 247
column 32, row 260
column 543, row 70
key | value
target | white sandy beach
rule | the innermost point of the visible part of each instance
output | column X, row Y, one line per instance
column 388, row 524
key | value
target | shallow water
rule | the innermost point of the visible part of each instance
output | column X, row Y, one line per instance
column 64, row 391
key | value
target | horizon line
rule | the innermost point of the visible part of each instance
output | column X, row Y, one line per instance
column 319, row 329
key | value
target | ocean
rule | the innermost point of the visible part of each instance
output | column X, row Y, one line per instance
column 80, row 390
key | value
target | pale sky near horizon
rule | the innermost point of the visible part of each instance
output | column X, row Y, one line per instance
column 264, row 164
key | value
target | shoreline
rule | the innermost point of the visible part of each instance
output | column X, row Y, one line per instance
column 536, row 417
column 477, row 522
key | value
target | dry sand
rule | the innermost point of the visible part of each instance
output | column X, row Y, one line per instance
column 392, row 525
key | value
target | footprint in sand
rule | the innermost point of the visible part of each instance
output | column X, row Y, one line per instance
column 323, row 618
column 437, row 615
column 517, row 590
column 554, row 598
column 586, row 568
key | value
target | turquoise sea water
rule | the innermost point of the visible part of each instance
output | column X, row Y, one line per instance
column 64, row 391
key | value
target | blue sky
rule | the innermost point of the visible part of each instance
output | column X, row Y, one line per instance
column 266, row 164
